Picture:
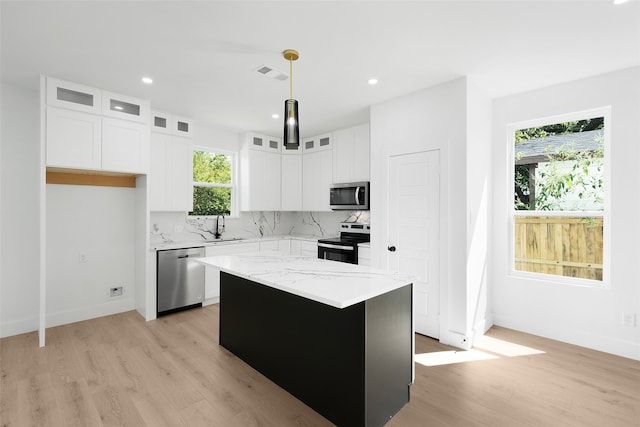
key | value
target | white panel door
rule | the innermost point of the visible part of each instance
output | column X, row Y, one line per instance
column 158, row 178
column 125, row 146
column 73, row 139
column 291, row 182
column 414, row 222
column 181, row 174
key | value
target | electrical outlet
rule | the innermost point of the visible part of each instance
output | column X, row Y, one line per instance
column 82, row 258
column 116, row 292
column 177, row 229
column 629, row 320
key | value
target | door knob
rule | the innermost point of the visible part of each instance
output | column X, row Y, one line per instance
column 391, row 248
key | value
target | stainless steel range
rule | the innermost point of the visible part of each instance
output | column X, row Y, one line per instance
column 345, row 247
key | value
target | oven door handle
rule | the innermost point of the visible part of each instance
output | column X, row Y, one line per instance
column 330, row 246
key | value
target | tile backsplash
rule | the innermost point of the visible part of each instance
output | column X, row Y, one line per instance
column 179, row 227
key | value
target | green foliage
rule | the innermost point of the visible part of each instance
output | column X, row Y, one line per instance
column 558, row 183
column 211, row 201
column 211, row 168
column 581, row 180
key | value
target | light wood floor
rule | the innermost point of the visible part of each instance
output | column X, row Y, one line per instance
column 120, row 370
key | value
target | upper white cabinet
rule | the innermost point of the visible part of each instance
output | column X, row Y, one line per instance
column 317, row 143
column 125, row 146
column 317, row 172
column 74, row 139
column 81, row 134
column 351, row 154
column 124, row 107
column 316, row 180
column 260, row 172
column 269, row 144
column 73, row 96
column 171, row 124
column 291, row 182
column 171, row 170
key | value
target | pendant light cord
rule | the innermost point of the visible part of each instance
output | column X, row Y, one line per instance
column 290, row 78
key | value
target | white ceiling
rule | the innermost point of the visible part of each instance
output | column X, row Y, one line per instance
column 202, row 55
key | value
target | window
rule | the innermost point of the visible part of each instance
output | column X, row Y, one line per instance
column 559, row 197
column 213, row 183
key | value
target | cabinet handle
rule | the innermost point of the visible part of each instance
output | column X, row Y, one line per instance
column 391, row 248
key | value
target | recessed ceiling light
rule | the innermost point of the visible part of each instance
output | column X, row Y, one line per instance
column 147, row 80
column 619, row 1
column 275, row 116
column 372, row 82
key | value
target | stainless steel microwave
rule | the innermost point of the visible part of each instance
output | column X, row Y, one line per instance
column 352, row 196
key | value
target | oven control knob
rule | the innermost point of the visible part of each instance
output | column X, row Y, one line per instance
column 391, row 248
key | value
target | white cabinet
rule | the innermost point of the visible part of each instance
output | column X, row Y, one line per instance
column 212, row 275
column 309, row 248
column 124, row 107
column 87, row 128
column 364, row 255
column 284, row 246
column 269, row 245
column 170, row 174
column 171, row 170
column 291, row 178
column 317, row 172
column 125, row 146
column 316, row 180
column 281, row 246
column 74, row 139
column 73, row 96
column 291, row 182
column 171, row 124
column 317, row 143
column 86, row 141
column 260, row 171
column 351, row 154
column 294, row 247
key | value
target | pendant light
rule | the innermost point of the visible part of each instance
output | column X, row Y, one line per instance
column 291, row 122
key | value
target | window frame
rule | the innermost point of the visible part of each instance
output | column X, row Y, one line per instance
column 235, row 211
column 605, row 214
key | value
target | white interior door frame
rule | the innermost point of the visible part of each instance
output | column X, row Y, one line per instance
column 413, row 231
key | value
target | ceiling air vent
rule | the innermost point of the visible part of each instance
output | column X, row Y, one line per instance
column 269, row 71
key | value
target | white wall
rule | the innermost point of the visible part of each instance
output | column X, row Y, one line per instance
column 437, row 118
column 478, row 187
column 586, row 316
column 222, row 139
column 20, row 194
column 98, row 222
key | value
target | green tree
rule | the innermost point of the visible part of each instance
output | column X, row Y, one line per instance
column 211, row 168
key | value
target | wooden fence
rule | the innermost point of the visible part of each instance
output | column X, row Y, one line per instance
column 564, row 246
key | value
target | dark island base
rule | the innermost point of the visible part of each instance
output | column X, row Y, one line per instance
column 351, row 365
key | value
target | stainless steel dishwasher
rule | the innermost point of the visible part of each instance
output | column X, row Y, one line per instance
column 180, row 280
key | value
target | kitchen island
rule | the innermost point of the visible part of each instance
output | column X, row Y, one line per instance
column 337, row 336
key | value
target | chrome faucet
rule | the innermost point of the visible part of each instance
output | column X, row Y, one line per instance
column 218, row 233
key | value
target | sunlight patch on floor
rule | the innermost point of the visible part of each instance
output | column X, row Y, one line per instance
column 454, row 356
column 504, row 348
column 493, row 349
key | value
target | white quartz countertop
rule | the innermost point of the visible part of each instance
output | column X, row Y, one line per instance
column 333, row 283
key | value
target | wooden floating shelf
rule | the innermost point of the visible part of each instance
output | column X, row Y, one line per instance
column 82, row 177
